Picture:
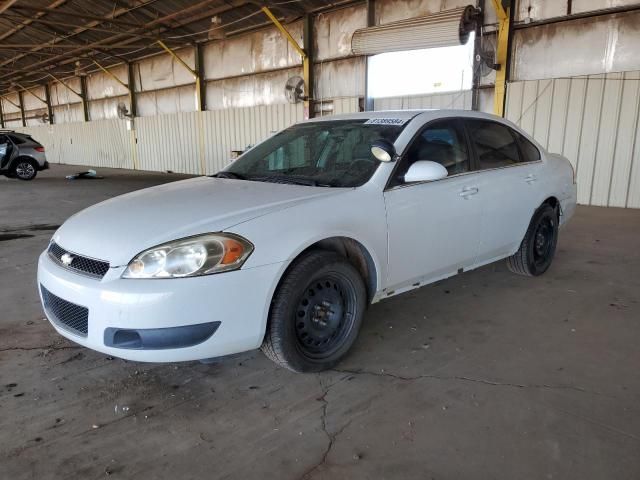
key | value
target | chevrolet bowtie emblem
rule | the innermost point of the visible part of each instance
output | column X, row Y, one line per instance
column 66, row 259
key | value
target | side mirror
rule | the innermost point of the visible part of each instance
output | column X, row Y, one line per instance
column 425, row 171
column 383, row 150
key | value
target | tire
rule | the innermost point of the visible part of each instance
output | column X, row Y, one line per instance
column 316, row 313
column 24, row 169
column 538, row 247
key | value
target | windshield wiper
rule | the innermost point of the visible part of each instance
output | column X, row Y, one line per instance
column 292, row 180
column 233, row 175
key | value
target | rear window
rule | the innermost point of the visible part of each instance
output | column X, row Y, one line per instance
column 529, row 150
column 495, row 145
column 19, row 139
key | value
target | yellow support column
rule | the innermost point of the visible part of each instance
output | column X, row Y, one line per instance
column 501, row 57
column 307, row 74
column 199, row 100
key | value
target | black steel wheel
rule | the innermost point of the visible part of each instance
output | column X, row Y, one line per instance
column 325, row 315
column 316, row 313
column 538, row 247
column 24, row 169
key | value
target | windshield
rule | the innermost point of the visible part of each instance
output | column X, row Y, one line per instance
column 329, row 153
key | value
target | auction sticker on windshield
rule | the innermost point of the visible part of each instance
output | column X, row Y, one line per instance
column 387, row 121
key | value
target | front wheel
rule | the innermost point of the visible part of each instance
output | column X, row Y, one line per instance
column 25, row 169
column 538, row 247
column 316, row 313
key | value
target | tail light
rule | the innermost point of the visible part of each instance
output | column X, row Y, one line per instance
column 39, row 149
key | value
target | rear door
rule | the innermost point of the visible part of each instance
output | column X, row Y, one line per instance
column 507, row 177
column 433, row 226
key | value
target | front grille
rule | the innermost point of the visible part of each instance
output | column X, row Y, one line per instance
column 66, row 314
column 85, row 265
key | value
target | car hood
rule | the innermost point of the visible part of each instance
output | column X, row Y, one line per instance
column 117, row 229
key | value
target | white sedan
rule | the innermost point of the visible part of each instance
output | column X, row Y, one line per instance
column 285, row 248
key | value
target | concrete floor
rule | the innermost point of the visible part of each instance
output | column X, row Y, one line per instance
column 486, row 376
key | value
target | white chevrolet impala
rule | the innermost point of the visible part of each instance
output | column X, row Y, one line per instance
column 285, row 248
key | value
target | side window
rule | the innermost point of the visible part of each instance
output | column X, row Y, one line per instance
column 528, row 149
column 17, row 140
column 495, row 145
column 441, row 142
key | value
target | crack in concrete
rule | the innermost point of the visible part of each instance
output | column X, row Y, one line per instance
column 331, row 437
column 48, row 347
column 470, row 379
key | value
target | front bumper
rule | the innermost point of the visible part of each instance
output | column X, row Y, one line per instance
column 237, row 303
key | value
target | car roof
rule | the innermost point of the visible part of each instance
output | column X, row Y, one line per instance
column 14, row 133
column 432, row 113
column 426, row 115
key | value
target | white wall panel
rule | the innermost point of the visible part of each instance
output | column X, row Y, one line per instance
column 540, row 9
column 176, row 142
column 168, row 142
column 593, row 121
column 30, row 101
column 61, row 95
column 35, row 117
column 393, row 10
column 9, row 103
column 265, row 49
column 236, row 129
column 485, row 100
column 104, row 143
column 172, row 100
column 12, row 120
column 250, row 90
column 346, row 105
column 449, row 100
column 163, row 71
column 587, row 46
column 340, row 78
column 544, row 9
column 333, row 31
column 68, row 113
column 578, row 6
column 106, row 108
column 102, row 85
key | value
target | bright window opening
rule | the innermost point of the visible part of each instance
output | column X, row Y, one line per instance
column 418, row 72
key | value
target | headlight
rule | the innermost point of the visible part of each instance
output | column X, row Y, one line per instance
column 191, row 257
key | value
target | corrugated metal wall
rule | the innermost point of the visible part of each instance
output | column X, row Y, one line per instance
column 103, row 143
column 458, row 100
column 190, row 142
column 593, row 121
column 195, row 142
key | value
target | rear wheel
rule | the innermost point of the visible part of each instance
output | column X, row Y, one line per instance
column 25, row 169
column 539, row 244
column 316, row 313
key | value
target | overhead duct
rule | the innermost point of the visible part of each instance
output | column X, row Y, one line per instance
column 442, row 29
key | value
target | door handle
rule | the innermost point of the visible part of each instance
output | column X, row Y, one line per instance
column 530, row 178
column 466, row 192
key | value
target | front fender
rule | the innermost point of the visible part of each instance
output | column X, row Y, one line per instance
column 358, row 214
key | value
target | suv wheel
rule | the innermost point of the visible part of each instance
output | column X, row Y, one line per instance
column 25, row 169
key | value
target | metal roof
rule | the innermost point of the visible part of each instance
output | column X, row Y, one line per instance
column 63, row 37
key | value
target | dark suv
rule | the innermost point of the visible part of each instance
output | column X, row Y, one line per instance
column 20, row 155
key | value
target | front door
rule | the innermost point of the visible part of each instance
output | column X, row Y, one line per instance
column 433, row 226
